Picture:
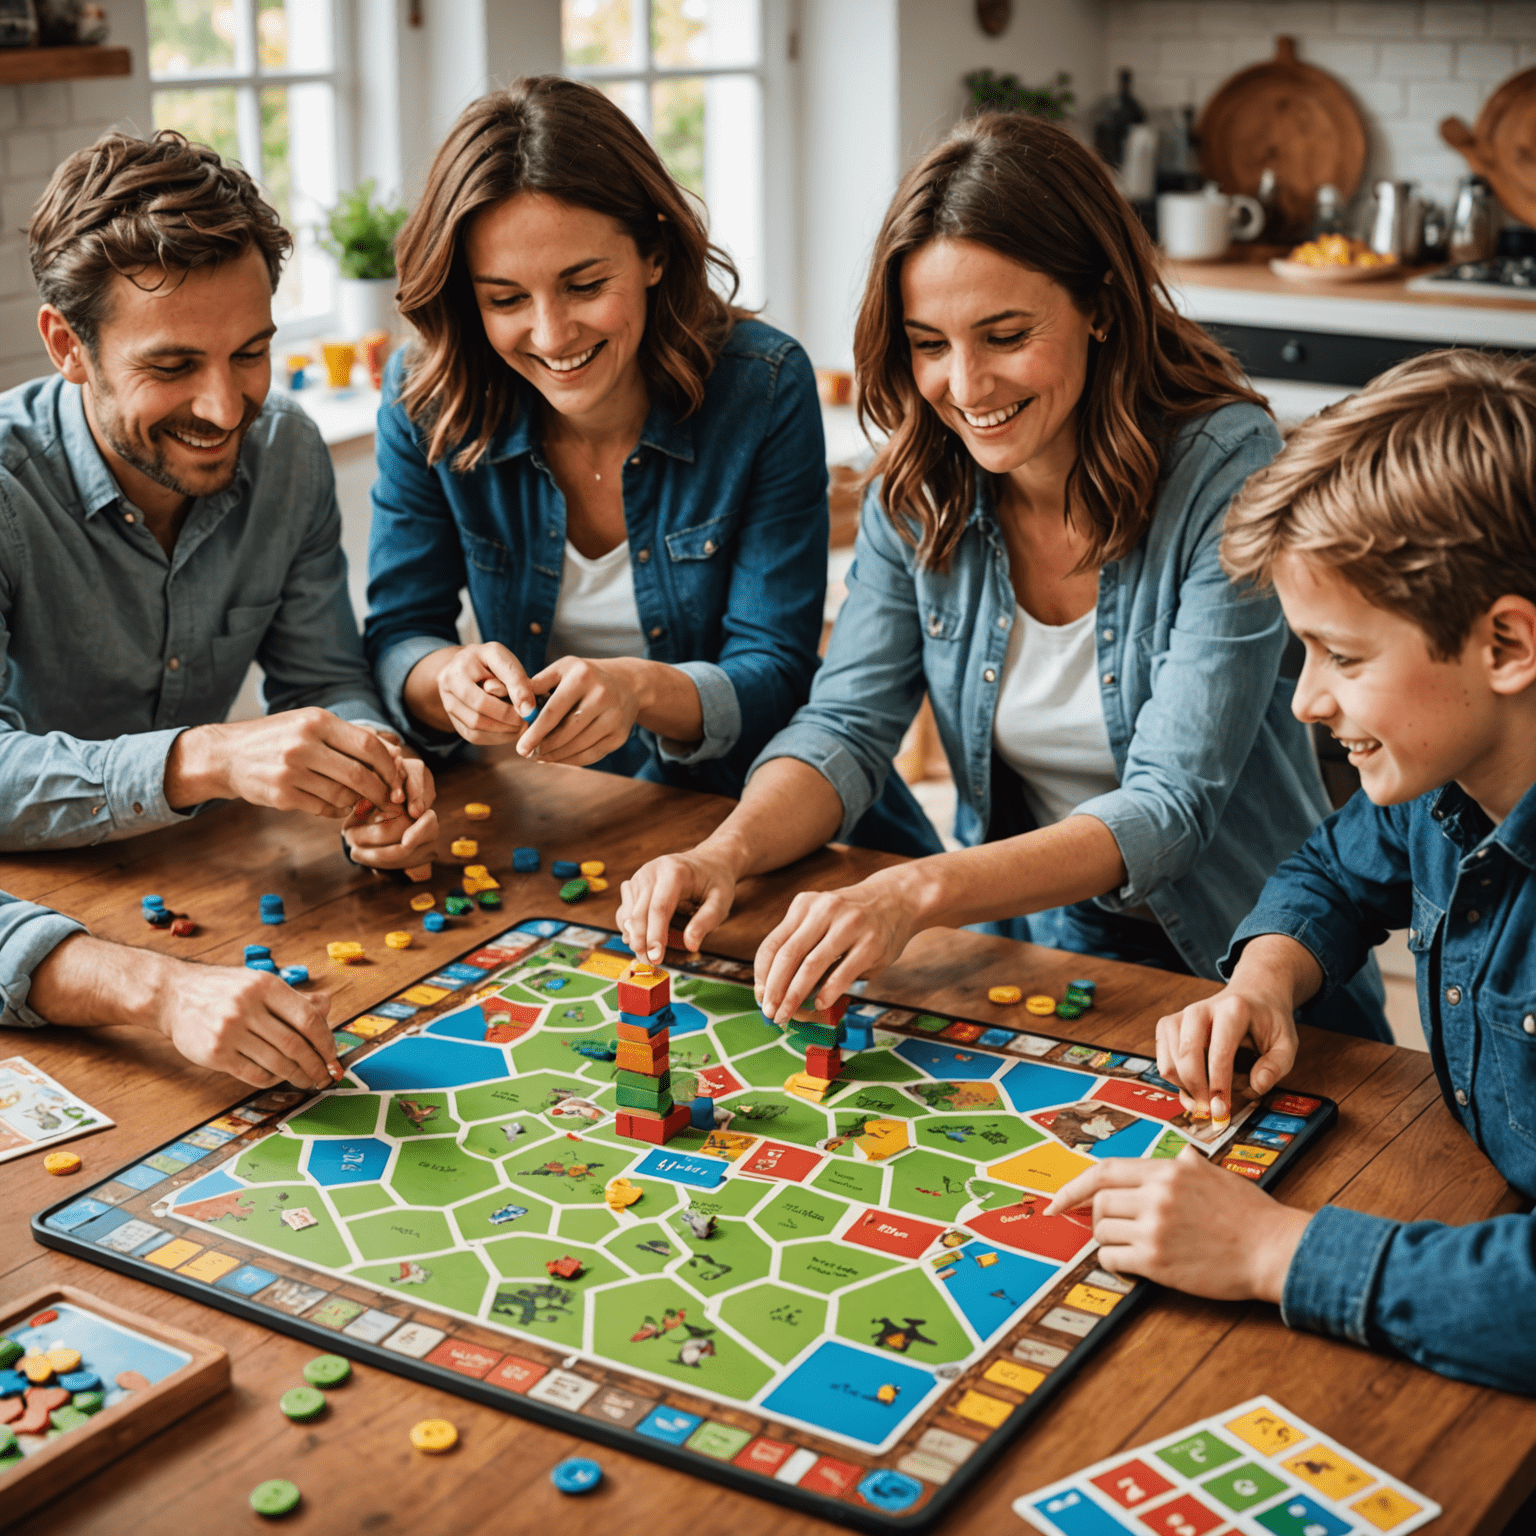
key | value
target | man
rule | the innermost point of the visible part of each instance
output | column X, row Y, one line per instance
column 163, row 524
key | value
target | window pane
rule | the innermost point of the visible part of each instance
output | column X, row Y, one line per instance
column 685, row 32
column 298, row 135
column 598, row 32
column 733, row 170
column 293, row 34
column 631, row 96
column 205, row 117
column 191, row 34
column 677, row 129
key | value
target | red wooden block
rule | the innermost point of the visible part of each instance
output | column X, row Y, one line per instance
column 832, row 1015
column 183, row 927
column 821, row 1062
column 644, row 994
column 638, row 1126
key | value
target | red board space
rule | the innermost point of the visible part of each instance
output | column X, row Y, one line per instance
column 1142, row 1097
column 1023, row 1227
column 889, row 1232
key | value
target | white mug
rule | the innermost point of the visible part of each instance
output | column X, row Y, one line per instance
column 1198, row 226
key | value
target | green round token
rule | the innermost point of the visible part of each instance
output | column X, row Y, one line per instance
column 7, row 1441
column 302, row 1403
column 1068, row 1011
column 277, row 1497
column 327, row 1370
column 88, row 1402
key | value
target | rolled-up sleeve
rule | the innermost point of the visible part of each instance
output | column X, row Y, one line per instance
column 28, row 935
column 720, row 714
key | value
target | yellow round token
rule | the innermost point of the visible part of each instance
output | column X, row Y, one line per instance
column 37, row 1369
column 400, row 939
column 424, row 902
column 476, row 811
column 344, row 951
column 593, row 867
column 464, row 848
column 62, row 1162
column 434, row 1436
column 596, row 883
column 1003, row 994
column 1040, row 1004
column 63, row 1359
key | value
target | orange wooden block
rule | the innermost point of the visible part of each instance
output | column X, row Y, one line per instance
column 639, row 1033
column 651, row 1059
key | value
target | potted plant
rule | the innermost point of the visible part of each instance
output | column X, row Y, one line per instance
column 361, row 236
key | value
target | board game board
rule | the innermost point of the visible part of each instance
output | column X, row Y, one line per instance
column 879, row 1310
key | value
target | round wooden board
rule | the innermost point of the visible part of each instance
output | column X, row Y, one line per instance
column 1503, row 148
column 1293, row 117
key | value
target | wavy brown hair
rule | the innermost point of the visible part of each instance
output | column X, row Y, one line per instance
column 568, row 141
column 1031, row 192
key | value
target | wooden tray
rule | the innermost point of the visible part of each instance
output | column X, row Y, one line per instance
column 63, row 1462
column 1292, row 117
column 1503, row 149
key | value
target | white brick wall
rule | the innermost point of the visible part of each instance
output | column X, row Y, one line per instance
column 41, row 125
column 1408, row 64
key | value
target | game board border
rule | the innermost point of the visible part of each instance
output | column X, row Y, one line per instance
column 568, row 1421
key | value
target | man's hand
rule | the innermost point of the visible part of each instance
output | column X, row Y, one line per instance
column 1185, row 1223
column 648, row 899
column 396, row 836
column 299, row 760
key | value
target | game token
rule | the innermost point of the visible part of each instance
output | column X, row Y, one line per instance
column 277, row 1497
column 131, row 1381
column 434, row 1436
column 88, row 1402
column 63, row 1359
column 327, row 1370
column 491, row 900
column 1004, row 994
column 37, row 1369
column 10, row 1352
column 257, row 952
column 458, row 905
column 590, row 867
column 565, row 869
column 464, row 848
column 525, row 861
column 12, row 1384
column 400, row 939
column 574, row 890
column 302, row 1403
column 261, row 965
column 434, row 922
column 7, row 1442
column 344, row 951
column 295, row 975
column 68, row 1417
column 62, row 1162
column 424, row 902
column 596, row 883
column 183, row 927
column 576, row 1475
column 476, row 811
column 42, row 1319
column 1068, row 1011
column 1040, row 1004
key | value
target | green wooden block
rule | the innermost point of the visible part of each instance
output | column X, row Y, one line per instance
column 827, row 1036
column 573, row 890
column 639, row 1098
column 644, row 1081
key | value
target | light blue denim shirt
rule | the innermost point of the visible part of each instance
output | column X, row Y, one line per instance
column 109, row 647
column 28, row 935
column 1217, row 778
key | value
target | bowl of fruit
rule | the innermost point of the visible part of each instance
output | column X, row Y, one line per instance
column 1334, row 259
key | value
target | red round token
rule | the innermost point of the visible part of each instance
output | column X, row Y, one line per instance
column 43, row 1319
column 131, row 1381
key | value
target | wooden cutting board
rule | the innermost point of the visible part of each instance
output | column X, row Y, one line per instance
column 1503, row 148
column 1290, row 116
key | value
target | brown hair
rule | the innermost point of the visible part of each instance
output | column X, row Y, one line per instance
column 569, row 141
column 1420, row 491
column 125, row 205
column 1031, row 192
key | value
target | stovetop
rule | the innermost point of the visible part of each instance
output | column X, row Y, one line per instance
column 1502, row 277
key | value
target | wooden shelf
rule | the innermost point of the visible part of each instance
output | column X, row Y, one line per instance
column 23, row 66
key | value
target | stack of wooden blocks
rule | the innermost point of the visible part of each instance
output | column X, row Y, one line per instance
column 820, row 1033
column 646, row 1111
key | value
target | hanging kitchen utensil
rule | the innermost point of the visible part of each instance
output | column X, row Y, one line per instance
column 1292, row 118
column 1503, row 147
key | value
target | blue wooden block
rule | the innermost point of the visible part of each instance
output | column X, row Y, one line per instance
column 434, row 922
column 701, row 1113
column 565, row 869
column 525, row 861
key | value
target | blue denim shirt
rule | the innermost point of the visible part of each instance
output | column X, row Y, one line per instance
column 28, row 935
column 1217, row 778
column 726, row 513
column 109, row 647
column 1455, row 1299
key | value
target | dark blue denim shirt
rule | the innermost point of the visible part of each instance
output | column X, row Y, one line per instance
column 726, row 512
column 1451, row 1298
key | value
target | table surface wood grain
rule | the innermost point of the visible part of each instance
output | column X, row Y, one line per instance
column 1396, row 1151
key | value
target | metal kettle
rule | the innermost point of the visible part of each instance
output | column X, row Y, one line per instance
column 1472, row 224
column 1397, row 225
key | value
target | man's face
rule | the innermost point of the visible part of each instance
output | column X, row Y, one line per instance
column 181, row 370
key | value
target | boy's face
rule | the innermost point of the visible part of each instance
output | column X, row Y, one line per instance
column 1411, row 723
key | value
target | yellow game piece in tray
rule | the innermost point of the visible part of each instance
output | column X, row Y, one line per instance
column 1040, row 1004
column 1003, row 994
column 37, row 1369
column 434, row 1436
column 63, row 1359
column 62, row 1162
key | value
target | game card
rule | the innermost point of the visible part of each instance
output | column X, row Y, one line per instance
column 36, row 1112
column 1257, row 1468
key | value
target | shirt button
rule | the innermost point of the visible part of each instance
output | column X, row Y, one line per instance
column 138, row 810
column 990, row 675
column 1002, row 623
column 656, row 632
column 1528, row 1023
column 1413, row 935
column 636, row 459
column 1108, row 679
column 1461, row 1097
column 1109, row 634
column 127, row 517
column 174, row 664
column 709, row 546
column 643, row 556
column 1482, row 853
column 1453, row 995
column 1473, row 915
column 536, row 628
column 1439, row 815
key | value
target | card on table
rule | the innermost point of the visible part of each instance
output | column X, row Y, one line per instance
column 1257, row 1468
column 35, row 1111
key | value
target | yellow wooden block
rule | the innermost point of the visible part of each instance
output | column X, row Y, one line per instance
column 464, row 848
column 1040, row 1004
column 590, row 867
column 804, row 1086
column 174, row 1254
column 62, row 1162
column 344, row 951
column 596, row 883
column 1003, row 994
column 424, row 996
column 1328, row 1472
column 424, row 902
column 1009, row 1373
column 603, row 963
column 983, row 1408
column 1090, row 1298
column 1266, row 1432
column 477, row 810
column 369, row 1025
column 209, row 1266
column 434, row 1436
column 1043, row 1169
column 1386, row 1509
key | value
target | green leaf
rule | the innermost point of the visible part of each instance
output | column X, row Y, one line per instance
column 361, row 234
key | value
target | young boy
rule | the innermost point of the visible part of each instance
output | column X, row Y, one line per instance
column 1399, row 530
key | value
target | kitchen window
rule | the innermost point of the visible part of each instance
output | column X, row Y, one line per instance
column 690, row 73
column 253, row 79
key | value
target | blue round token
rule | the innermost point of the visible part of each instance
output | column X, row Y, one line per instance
column 578, row 1475
column 80, row 1381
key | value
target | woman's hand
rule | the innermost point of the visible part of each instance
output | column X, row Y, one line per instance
column 591, row 708
column 480, row 691
column 703, row 878
column 828, row 939
column 1196, row 1047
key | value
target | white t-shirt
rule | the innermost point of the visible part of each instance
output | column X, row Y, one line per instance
column 596, row 613
column 1049, row 727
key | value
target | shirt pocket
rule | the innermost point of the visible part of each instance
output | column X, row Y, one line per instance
column 1510, row 1035
column 942, row 623
column 488, row 555
column 1423, row 926
column 702, row 542
column 244, row 630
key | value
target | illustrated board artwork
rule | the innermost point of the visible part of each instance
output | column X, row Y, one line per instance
column 849, row 1306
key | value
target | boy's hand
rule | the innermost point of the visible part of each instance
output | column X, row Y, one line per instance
column 1196, row 1047
column 1184, row 1223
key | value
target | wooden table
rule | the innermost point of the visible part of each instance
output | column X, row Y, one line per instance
column 1396, row 1151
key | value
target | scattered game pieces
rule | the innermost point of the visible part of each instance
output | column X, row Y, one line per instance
column 1040, row 1004
column 1004, row 994
column 566, row 1268
column 62, row 1162
column 275, row 1497
column 419, row 872
column 344, row 951
column 477, row 811
column 478, row 878
column 328, row 1371
column 423, row 902
column 1271, row 1467
column 525, row 861
column 434, row 1436
column 434, row 922
column 270, row 966
column 701, row 1113
column 183, row 927
column 590, row 867
column 464, row 848
column 295, row 975
column 886, row 1393
column 578, row 1474
column 272, row 910
column 458, row 905
column 596, row 883
column 574, row 890
column 565, row 869
column 399, row 939
column 491, row 900
column 302, row 1404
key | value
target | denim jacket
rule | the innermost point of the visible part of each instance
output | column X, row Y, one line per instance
column 1450, row 1298
column 1217, row 779
column 726, row 513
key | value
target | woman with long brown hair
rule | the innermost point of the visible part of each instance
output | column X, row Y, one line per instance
column 1038, row 551
column 625, row 470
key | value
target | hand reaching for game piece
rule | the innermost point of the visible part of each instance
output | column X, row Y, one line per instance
column 591, row 708
column 651, row 896
column 397, row 836
column 1183, row 1222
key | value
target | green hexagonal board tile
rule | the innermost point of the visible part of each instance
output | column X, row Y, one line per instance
column 419, row 1114
column 979, row 1138
column 438, row 1171
column 909, row 1301
column 338, row 1114
column 501, row 1212
column 398, row 1234
column 273, row 1160
column 730, row 1257
column 458, row 1281
column 777, row 1320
